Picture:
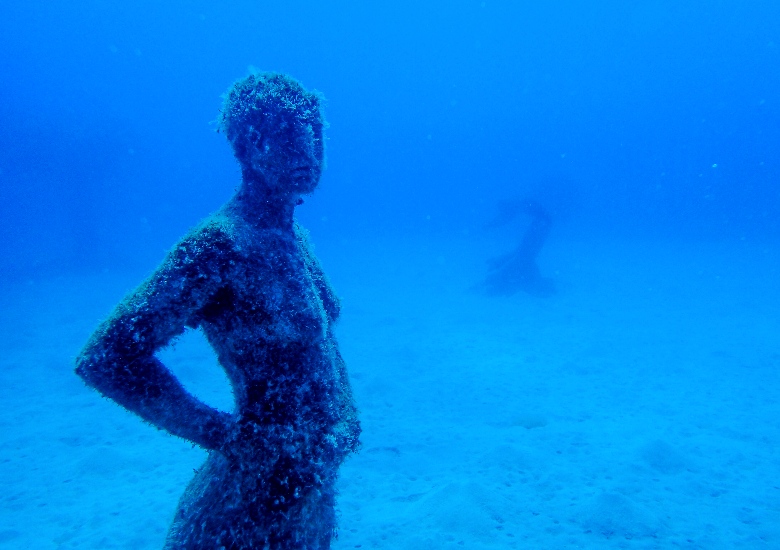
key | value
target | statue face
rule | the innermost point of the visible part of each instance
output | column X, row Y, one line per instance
column 290, row 157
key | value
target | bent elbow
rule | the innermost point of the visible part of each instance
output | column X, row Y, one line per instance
column 91, row 367
column 86, row 371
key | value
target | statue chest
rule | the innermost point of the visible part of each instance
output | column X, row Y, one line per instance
column 270, row 298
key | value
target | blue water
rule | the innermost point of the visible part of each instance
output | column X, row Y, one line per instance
column 632, row 409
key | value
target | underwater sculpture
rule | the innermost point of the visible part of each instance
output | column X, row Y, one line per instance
column 247, row 277
column 518, row 270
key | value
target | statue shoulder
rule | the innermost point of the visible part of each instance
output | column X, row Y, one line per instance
column 198, row 263
column 212, row 238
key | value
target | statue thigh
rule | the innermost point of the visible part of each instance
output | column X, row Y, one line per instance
column 213, row 513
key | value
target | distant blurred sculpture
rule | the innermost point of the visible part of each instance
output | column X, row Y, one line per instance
column 248, row 278
column 518, row 270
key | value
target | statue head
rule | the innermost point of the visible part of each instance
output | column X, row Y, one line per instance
column 275, row 127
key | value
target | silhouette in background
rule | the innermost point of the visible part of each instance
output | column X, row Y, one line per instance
column 247, row 277
column 518, row 270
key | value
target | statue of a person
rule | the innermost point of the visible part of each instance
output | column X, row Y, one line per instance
column 247, row 277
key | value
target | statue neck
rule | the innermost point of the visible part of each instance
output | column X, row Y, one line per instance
column 262, row 206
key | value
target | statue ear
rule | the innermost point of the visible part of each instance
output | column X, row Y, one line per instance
column 240, row 149
column 264, row 144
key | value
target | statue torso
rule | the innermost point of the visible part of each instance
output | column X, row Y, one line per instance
column 270, row 324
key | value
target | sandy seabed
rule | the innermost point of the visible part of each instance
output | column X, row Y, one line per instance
column 637, row 408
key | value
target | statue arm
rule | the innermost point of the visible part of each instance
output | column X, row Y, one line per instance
column 119, row 359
